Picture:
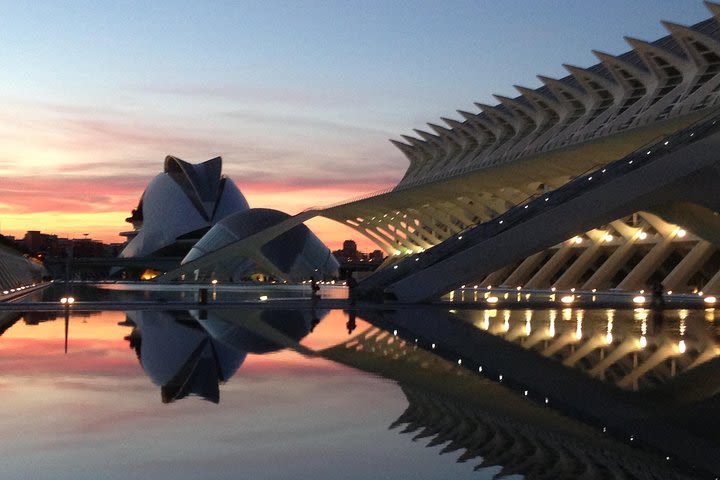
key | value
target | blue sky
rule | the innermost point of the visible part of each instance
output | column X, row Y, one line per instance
column 298, row 97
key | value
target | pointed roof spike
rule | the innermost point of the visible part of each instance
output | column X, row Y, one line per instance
column 634, row 42
column 670, row 26
column 440, row 130
column 495, row 112
column 531, row 92
column 485, row 122
column 415, row 142
column 483, row 106
column 451, row 122
column 579, row 73
column 545, row 79
column 427, row 136
column 642, row 46
column 462, row 126
column 408, row 150
column 515, row 104
column 714, row 8
column 399, row 144
column 607, row 58
column 554, row 83
column 466, row 115
column 680, row 32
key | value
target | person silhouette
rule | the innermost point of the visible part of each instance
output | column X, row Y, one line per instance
column 351, row 284
column 351, row 325
column 314, row 287
column 657, row 301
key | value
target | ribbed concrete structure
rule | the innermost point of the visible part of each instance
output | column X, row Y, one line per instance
column 479, row 166
column 16, row 270
column 480, row 421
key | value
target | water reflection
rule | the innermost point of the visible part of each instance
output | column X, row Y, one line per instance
column 193, row 352
column 564, row 393
column 579, row 397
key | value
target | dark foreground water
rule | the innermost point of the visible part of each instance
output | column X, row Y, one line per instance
column 280, row 393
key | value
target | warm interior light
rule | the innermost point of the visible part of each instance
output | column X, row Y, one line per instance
column 639, row 300
column 214, row 281
column 608, row 238
column 681, row 233
column 642, row 235
column 568, row 299
column 643, row 342
column 263, row 298
column 149, row 274
column 681, row 346
column 577, row 240
column 710, row 300
column 492, row 300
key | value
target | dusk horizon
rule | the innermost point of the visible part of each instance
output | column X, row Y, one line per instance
column 300, row 101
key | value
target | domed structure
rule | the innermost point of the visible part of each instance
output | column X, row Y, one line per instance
column 192, row 353
column 179, row 356
column 188, row 211
column 259, row 331
column 179, row 205
column 293, row 255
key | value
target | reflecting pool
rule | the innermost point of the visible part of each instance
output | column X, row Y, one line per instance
column 426, row 393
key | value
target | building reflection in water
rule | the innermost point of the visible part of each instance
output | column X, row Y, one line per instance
column 191, row 353
column 567, row 394
column 545, row 396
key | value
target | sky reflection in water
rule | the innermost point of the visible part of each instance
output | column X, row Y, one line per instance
column 133, row 397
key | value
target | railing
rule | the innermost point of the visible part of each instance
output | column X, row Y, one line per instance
column 535, row 204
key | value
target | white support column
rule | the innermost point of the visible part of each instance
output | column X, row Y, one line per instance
column 601, row 278
column 694, row 260
column 572, row 275
column 713, row 286
column 639, row 275
column 542, row 278
column 497, row 277
column 522, row 272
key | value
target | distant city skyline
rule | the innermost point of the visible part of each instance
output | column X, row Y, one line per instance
column 299, row 99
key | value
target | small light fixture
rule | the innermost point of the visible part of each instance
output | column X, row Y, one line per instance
column 567, row 299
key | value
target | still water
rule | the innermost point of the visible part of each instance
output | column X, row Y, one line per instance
column 412, row 393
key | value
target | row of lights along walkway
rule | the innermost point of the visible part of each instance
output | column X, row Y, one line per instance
column 519, row 297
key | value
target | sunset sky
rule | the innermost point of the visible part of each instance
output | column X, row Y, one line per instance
column 299, row 98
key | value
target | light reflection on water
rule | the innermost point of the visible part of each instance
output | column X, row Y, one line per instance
column 135, row 394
